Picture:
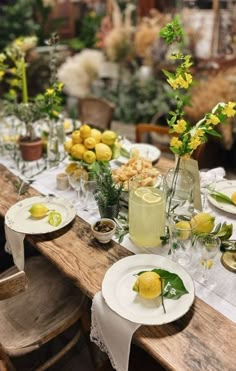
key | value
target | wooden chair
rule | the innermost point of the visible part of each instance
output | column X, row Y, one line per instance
column 36, row 306
column 96, row 112
column 161, row 138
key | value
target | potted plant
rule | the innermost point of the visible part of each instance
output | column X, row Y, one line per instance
column 107, row 195
column 48, row 105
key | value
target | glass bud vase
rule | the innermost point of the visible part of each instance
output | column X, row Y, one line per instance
column 180, row 189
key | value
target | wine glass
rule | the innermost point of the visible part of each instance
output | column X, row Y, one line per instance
column 74, row 179
column 209, row 246
column 208, row 183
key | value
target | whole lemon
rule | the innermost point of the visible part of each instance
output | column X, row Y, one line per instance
column 103, row 152
column 90, row 142
column 184, row 228
column 204, row 223
column 67, row 145
column 76, row 138
column 96, row 134
column 233, row 198
column 77, row 151
column 108, row 137
column 85, row 131
column 148, row 285
column 89, row 157
column 38, row 210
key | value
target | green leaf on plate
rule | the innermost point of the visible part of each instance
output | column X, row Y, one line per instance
column 173, row 285
column 221, row 197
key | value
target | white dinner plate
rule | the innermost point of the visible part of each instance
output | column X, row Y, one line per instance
column 119, row 296
column 147, row 151
column 227, row 187
column 19, row 219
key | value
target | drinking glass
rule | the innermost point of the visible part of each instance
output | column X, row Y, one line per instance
column 147, row 215
column 74, row 179
column 87, row 191
column 209, row 245
column 182, row 238
column 208, row 183
column 180, row 188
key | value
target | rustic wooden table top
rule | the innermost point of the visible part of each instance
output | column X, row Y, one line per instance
column 203, row 339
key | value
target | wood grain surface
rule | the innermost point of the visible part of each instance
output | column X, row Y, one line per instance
column 203, row 339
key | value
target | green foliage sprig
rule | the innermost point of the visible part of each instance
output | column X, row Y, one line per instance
column 107, row 192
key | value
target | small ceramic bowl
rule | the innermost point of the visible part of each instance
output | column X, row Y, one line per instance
column 104, row 229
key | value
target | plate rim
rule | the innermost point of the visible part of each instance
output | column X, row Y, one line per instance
column 142, row 257
column 223, row 206
column 66, row 203
column 129, row 146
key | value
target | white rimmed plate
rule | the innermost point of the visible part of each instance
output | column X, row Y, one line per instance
column 147, row 151
column 119, row 296
column 227, row 187
column 19, row 219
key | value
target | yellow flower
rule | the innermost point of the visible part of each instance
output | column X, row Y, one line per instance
column 229, row 109
column 2, row 73
column 199, row 132
column 173, row 83
column 49, row 91
column 12, row 70
column 14, row 82
column 213, row 119
column 55, row 113
column 175, row 143
column 184, row 83
column 194, row 142
column 60, row 86
column 180, row 127
column 2, row 57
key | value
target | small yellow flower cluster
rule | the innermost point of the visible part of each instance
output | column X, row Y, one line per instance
column 181, row 81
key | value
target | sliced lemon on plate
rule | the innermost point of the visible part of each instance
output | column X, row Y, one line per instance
column 54, row 218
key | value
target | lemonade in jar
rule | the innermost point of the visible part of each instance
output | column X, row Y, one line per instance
column 147, row 216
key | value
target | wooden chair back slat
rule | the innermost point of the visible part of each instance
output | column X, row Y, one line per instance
column 96, row 112
column 13, row 285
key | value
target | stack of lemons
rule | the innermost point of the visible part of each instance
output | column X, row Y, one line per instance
column 91, row 145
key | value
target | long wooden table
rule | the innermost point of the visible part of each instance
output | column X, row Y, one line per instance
column 203, row 339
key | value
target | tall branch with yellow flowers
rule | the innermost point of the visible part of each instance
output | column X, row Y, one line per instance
column 187, row 137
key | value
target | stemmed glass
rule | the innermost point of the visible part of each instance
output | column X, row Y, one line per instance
column 208, row 183
column 74, row 179
column 209, row 246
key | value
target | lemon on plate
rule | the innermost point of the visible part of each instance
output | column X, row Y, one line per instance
column 38, row 210
column 148, row 285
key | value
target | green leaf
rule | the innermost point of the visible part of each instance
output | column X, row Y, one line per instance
column 173, row 285
column 221, row 197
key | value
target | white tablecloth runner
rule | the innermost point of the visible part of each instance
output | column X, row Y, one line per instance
column 220, row 292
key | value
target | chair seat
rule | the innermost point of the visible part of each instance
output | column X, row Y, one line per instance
column 42, row 311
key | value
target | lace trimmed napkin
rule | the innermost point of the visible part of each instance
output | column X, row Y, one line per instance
column 215, row 174
column 111, row 333
column 15, row 246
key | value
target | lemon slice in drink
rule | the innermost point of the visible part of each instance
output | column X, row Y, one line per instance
column 151, row 198
column 54, row 218
column 139, row 192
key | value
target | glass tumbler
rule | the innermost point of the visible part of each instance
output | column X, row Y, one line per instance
column 182, row 238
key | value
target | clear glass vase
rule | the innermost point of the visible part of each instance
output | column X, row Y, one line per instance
column 55, row 145
column 180, row 189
